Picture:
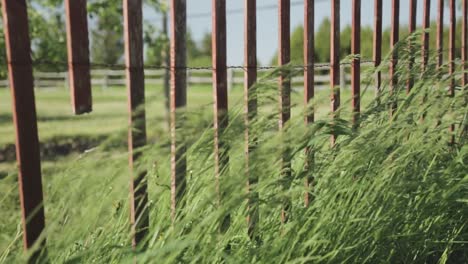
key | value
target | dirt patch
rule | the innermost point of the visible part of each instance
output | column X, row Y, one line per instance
column 62, row 146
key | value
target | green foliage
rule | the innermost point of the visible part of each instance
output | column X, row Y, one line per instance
column 322, row 42
column 392, row 190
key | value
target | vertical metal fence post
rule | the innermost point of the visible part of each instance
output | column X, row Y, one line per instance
column 167, row 64
column 411, row 28
column 465, row 53
column 440, row 32
column 220, row 93
column 20, row 75
column 78, row 56
column 133, row 35
column 309, row 45
column 250, row 98
column 178, row 103
column 356, row 64
column 452, row 56
column 394, row 38
column 377, row 45
column 284, row 57
column 335, row 58
column 425, row 36
column 464, row 43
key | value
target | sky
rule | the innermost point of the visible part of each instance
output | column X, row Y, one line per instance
column 267, row 21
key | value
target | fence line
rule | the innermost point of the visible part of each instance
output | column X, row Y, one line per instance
column 81, row 78
column 105, row 78
column 15, row 18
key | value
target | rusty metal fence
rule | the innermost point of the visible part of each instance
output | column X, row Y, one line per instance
column 18, row 46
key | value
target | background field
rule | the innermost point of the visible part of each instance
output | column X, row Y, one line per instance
column 392, row 190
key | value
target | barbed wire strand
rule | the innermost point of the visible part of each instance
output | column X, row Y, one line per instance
column 162, row 67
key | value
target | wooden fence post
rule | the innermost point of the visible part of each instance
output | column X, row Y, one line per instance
column 377, row 45
column 250, row 101
column 284, row 57
column 78, row 56
column 178, row 103
column 309, row 46
column 356, row 64
column 20, row 75
column 221, row 148
column 133, row 35
column 335, row 59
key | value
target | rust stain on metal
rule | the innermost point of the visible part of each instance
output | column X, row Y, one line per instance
column 178, row 103
column 133, row 34
column 78, row 56
column 20, row 75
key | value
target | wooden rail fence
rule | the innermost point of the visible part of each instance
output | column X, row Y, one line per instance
column 80, row 79
column 108, row 78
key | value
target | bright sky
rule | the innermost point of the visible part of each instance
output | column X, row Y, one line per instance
column 267, row 21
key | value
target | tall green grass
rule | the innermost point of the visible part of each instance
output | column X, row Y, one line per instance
column 391, row 190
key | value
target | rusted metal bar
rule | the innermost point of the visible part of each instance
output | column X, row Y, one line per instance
column 309, row 45
column 465, row 53
column 356, row 64
column 78, row 56
column 464, row 43
column 220, row 98
column 412, row 27
column 250, row 97
column 377, row 47
column 394, row 38
column 20, row 75
column 452, row 46
column 133, row 35
column 335, row 58
column 178, row 102
column 440, row 32
column 452, row 56
column 425, row 36
column 284, row 57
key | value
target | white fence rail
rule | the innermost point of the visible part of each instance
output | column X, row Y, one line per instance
column 105, row 78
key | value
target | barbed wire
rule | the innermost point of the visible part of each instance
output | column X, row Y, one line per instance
column 201, row 68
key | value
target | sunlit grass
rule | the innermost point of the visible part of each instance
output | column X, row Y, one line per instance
column 393, row 190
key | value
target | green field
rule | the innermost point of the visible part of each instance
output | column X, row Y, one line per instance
column 110, row 114
column 392, row 190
